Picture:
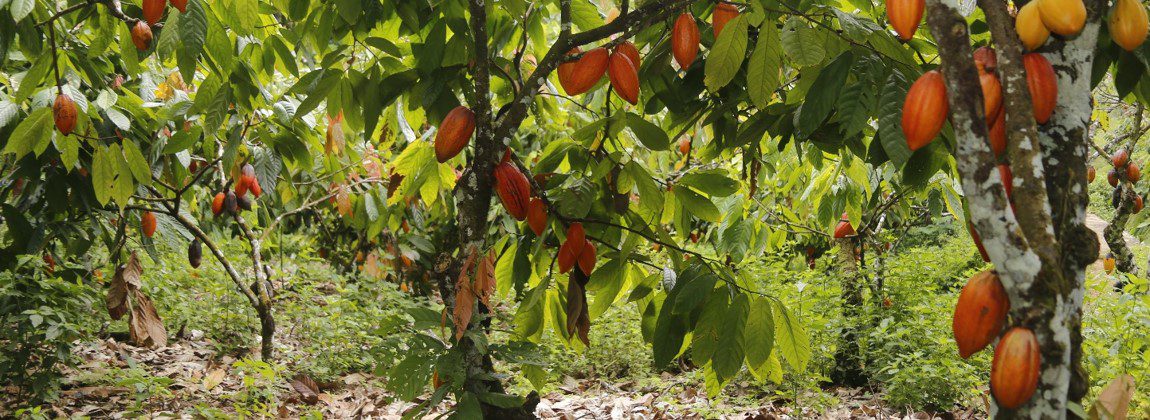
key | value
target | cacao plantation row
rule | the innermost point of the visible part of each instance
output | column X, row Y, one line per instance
column 466, row 198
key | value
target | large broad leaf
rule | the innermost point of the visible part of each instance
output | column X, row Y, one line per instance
column 890, row 119
column 193, row 28
column 696, row 204
column 801, row 43
column 820, row 100
column 34, row 131
column 726, row 57
column 759, row 334
column 791, row 339
column 585, row 15
column 728, row 356
column 652, row 136
column 141, row 170
column 667, row 340
column 713, row 183
column 650, row 195
column 764, row 71
column 710, row 328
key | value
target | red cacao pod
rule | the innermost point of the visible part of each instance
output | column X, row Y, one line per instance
column 925, row 110
column 1007, row 179
column 1014, row 372
column 454, row 133
column 980, row 313
column 1043, row 84
column 1112, row 178
column 977, row 242
column 582, row 75
column 624, row 77
column 986, row 59
column 844, row 228
column 1120, row 158
column 587, row 258
column 537, row 215
column 154, row 10
column 513, row 188
column 905, row 16
column 685, row 40
column 572, row 247
column 64, row 114
column 991, row 95
column 218, row 204
column 254, row 187
column 629, row 49
column 1133, row 174
column 997, row 134
column 181, row 5
column 723, row 13
column 1138, row 204
column 148, row 223
column 576, row 234
column 142, row 35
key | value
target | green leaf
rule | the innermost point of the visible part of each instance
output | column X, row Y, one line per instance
column 696, row 204
column 714, row 183
column 193, row 28
column 820, row 100
column 650, row 195
column 759, row 334
column 585, row 15
column 890, row 119
column 727, row 55
column 710, row 328
column 802, row 43
column 35, row 130
column 667, row 341
column 728, row 356
column 33, row 77
column 136, row 162
column 21, row 9
column 652, row 136
column 764, row 71
column 791, row 339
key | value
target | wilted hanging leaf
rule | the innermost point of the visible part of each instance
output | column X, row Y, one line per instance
column 1114, row 401
column 335, row 139
column 464, row 297
column 578, row 319
column 126, row 279
column 144, row 326
column 485, row 279
column 343, row 202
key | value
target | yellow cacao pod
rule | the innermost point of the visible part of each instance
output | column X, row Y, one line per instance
column 1031, row 30
column 1128, row 24
column 1063, row 17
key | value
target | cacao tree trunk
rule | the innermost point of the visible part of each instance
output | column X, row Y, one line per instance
column 848, row 368
column 1116, row 230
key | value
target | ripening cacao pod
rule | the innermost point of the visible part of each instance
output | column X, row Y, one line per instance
column 1120, row 158
column 723, row 13
column 576, row 234
column 578, row 77
column 624, row 77
column 142, row 35
column 181, row 5
column 977, row 242
column 1109, row 264
column 248, row 176
column 64, row 114
column 1133, row 174
column 685, row 40
column 1030, row 28
column 241, row 187
column 1014, row 372
column 573, row 246
column 195, row 253
column 1112, row 178
column 905, row 16
column 925, row 109
column 255, row 188
column 991, row 95
column 1043, row 84
column 231, row 203
column 454, row 133
column 844, row 228
column 154, row 10
column 1007, row 179
column 685, row 146
column 148, row 223
column 587, row 258
column 980, row 313
column 629, row 49
column 218, row 204
column 537, row 215
column 1128, row 24
column 998, row 134
column 1138, row 204
column 513, row 188
column 986, row 59
column 51, row 262
column 1090, row 174
column 1063, row 17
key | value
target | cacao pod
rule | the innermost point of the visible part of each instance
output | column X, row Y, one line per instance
column 986, row 59
column 1138, row 204
column 195, row 253
column 998, row 134
column 1043, row 84
column 844, row 228
column 1133, row 174
column 454, row 133
column 537, row 215
column 1030, row 28
column 685, row 40
column 181, row 5
column 154, row 10
column 1007, row 179
column 51, row 262
column 255, row 188
column 977, row 242
column 587, row 258
column 991, row 95
column 244, row 203
column 980, row 313
column 925, row 110
column 241, row 187
column 572, row 247
column 64, row 114
column 513, row 188
column 576, row 234
column 1120, row 158
column 1109, row 264
column 1128, row 24
column 1014, row 372
column 218, row 204
column 685, row 146
column 1063, row 17
column 580, row 76
column 1091, row 173
column 142, row 35
column 723, row 13
column 629, row 49
column 624, row 77
column 1112, row 178
column 148, row 223
column 230, row 203
column 905, row 16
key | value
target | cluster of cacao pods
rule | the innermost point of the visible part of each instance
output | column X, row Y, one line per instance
column 979, row 317
column 454, row 133
column 844, row 228
column 232, row 201
column 64, row 114
column 153, row 11
column 1038, row 19
column 621, row 67
column 577, row 251
column 1124, row 170
column 512, row 187
column 685, row 32
column 905, row 16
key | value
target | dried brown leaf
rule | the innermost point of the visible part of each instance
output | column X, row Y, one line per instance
column 126, row 279
column 307, row 389
column 1114, row 401
column 464, row 297
column 485, row 279
column 144, row 325
column 213, row 379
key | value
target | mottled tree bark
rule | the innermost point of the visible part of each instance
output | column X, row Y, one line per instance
column 848, row 368
column 1116, row 230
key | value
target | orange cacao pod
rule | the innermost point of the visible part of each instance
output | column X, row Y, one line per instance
column 998, row 134
column 587, row 258
column 580, row 76
column 572, row 247
column 154, row 10
column 991, row 95
column 148, row 223
column 1014, row 372
column 1120, row 158
column 1043, row 84
column 980, row 313
column 1133, row 174
column 255, row 188
column 1063, row 17
column 64, row 113
column 723, row 13
column 1128, row 24
column 513, row 188
column 142, row 35
column 1090, row 174
column 454, row 133
column 925, row 109
column 629, row 49
column 685, row 40
column 685, row 146
column 1138, row 203
column 218, row 204
column 1030, row 28
column 977, row 242
column 905, row 16
column 844, row 228
column 537, row 215
column 986, row 59
column 181, row 5
column 624, row 77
